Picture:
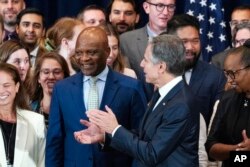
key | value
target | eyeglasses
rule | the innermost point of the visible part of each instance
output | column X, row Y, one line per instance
column 231, row 73
column 160, row 7
column 234, row 23
column 56, row 72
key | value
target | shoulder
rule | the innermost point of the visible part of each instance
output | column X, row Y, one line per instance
column 78, row 77
column 210, row 68
column 34, row 119
column 126, row 81
column 129, row 72
column 133, row 33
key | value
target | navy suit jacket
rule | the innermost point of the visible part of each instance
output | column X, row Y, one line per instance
column 207, row 83
column 168, row 136
column 122, row 94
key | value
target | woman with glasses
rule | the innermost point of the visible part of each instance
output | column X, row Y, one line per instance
column 49, row 68
column 22, row 132
column 230, row 129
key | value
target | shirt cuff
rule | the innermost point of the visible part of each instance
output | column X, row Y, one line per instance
column 113, row 133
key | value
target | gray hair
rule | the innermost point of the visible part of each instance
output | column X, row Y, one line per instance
column 170, row 50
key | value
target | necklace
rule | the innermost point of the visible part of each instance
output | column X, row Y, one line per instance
column 7, row 144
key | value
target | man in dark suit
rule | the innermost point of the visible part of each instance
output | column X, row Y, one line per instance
column 206, row 81
column 168, row 135
column 134, row 43
column 70, row 101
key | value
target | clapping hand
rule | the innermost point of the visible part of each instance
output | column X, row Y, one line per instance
column 245, row 144
column 93, row 134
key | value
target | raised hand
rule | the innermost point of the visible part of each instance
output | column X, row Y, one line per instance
column 93, row 134
column 105, row 120
column 245, row 144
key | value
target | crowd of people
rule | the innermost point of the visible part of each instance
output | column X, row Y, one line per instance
column 94, row 91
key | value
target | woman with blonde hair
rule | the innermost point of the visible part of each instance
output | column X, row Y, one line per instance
column 61, row 37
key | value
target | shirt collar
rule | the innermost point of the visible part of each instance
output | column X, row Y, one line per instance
column 150, row 32
column 34, row 51
column 167, row 87
column 102, row 76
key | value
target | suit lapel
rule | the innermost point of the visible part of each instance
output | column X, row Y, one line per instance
column 77, row 95
column 2, row 151
column 110, row 89
column 197, row 77
column 142, row 41
column 21, row 138
column 161, row 107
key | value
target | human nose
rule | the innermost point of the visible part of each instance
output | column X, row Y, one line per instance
column 10, row 4
column 165, row 10
column 122, row 16
column 31, row 28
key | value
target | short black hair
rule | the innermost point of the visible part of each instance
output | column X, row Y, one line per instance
column 180, row 21
column 29, row 11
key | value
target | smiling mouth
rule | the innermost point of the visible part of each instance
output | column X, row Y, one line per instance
column 3, row 97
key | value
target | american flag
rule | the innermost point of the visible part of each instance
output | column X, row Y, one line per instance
column 210, row 14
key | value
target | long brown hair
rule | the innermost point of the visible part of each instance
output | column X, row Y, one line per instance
column 21, row 99
column 36, row 89
column 119, row 63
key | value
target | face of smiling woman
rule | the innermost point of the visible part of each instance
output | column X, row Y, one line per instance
column 8, row 89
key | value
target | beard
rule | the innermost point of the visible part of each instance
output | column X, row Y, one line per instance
column 190, row 63
column 122, row 27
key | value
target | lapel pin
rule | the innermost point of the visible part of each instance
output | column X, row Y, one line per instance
column 164, row 104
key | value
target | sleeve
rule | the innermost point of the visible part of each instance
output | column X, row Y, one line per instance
column 42, row 131
column 217, row 129
column 168, row 135
column 55, row 137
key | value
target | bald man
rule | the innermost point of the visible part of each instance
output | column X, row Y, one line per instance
column 70, row 101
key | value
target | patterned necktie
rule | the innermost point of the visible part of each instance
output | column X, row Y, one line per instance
column 93, row 94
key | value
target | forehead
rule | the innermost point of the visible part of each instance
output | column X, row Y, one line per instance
column 20, row 53
column 241, row 15
column 31, row 17
column 232, row 62
column 49, row 62
column 187, row 32
column 5, row 77
column 163, row 1
column 120, row 5
column 93, row 13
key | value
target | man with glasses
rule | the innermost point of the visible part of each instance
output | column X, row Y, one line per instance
column 133, row 43
column 240, row 14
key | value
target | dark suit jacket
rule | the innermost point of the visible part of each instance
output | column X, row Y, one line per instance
column 133, row 45
column 125, row 97
column 168, row 136
column 207, row 83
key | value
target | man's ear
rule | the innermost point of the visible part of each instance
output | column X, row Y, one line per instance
column 137, row 18
column 146, row 7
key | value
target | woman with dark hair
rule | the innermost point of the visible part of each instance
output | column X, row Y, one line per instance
column 49, row 68
column 22, row 132
column 230, row 129
column 13, row 52
column 115, row 59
